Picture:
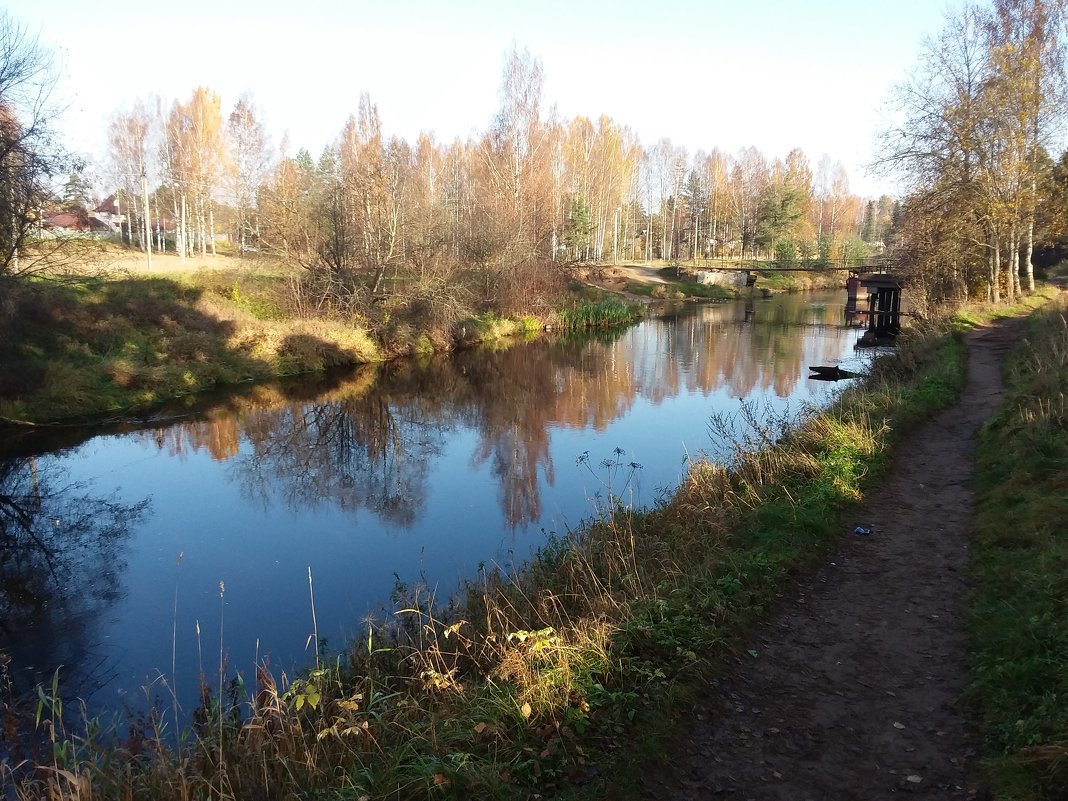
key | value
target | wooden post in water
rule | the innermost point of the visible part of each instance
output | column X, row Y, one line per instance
column 884, row 309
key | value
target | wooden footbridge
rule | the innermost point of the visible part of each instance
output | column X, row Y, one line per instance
column 873, row 264
column 874, row 277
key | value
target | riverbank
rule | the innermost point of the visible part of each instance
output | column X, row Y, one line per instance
column 677, row 282
column 533, row 681
column 110, row 345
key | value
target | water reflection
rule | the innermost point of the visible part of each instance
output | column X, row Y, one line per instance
column 362, row 451
column 414, row 469
column 370, row 442
column 62, row 553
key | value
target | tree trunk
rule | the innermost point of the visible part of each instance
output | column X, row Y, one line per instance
column 671, row 236
column 148, row 220
column 615, row 239
column 1012, row 264
column 994, row 290
column 177, row 228
column 1028, row 266
column 185, row 228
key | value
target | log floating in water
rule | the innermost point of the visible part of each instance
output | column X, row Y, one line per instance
column 833, row 373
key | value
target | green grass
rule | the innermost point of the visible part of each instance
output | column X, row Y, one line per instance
column 973, row 315
column 605, row 313
column 97, row 346
column 1018, row 615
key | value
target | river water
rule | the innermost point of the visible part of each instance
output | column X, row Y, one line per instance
column 133, row 558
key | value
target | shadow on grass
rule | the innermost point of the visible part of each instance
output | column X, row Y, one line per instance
column 92, row 347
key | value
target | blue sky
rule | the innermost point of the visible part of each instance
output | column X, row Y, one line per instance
column 720, row 73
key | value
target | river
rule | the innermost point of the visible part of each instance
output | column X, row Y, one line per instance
column 132, row 558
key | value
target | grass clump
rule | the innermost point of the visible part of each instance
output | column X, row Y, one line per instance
column 492, row 327
column 604, row 313
column 1020, row 568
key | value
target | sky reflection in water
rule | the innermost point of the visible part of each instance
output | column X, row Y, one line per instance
column 411, row 472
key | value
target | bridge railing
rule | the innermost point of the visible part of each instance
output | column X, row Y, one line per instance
column 866, row 264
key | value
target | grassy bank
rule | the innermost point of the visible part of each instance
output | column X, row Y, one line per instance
column 533, row 683
column 1020, row 569
column 774, row 281
column 96, row 345
column 769, row 281
column 93, row 345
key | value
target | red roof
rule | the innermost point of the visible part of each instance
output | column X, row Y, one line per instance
column 107, row 206
column 64, row 220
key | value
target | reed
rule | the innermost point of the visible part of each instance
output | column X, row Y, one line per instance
column 601, row 314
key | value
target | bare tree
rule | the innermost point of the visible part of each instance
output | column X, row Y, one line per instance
column 29, row 155
column 130, row 137
column 247, row 168
column 975, row 114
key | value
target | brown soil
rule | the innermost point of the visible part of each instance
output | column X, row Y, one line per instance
column 616, row 278
column 855, row 689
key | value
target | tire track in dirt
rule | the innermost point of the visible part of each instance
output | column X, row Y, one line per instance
column 855, row 689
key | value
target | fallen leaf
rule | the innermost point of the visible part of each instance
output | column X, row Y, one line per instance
column 440, row 779
column 480, row 727
column 525, row 710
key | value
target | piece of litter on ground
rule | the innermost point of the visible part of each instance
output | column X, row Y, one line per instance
column 914, row 779
column 864, row 532
column 898, row 725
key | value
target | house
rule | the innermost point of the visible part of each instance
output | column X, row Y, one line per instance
column 65, row 221
column 106, row 216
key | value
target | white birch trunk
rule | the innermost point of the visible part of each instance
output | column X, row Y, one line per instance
column 148, row 221
column 1028, row 266
column 184, row 227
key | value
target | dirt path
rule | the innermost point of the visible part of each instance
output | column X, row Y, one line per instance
column 854, row 691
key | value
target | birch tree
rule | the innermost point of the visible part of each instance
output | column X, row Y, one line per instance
column 974, row 113
column 1027, row 54
column 248, row 164
column 371, row 183
column 130, row 140
column 193, row 154
column 749, row 180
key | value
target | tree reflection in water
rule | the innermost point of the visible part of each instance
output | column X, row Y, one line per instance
column 369, row 443
column 61, row 561
column 443, row 454
column 358, row 452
